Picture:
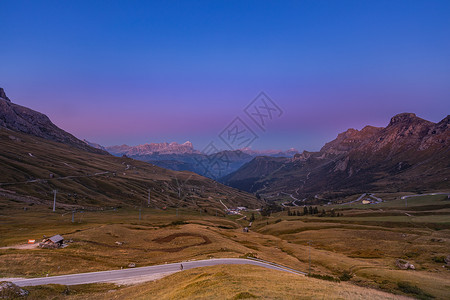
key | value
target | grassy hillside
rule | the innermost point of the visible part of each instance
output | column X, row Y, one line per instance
column 360, row 247
column 241, row 282
column 32, row 166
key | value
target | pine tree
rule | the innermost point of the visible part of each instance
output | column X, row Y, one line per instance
column 305, row 210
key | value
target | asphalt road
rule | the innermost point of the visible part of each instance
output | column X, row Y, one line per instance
column 418, row 195
column 128, row 274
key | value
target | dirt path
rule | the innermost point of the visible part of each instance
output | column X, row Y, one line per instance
column 22, row 246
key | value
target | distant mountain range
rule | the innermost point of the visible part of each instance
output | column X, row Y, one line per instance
column 183, row 157
column 153, row 148
column 409, row 154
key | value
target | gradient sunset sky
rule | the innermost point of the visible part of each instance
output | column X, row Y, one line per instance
column 133, row 72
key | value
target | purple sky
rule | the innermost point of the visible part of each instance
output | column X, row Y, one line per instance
column 116, row 72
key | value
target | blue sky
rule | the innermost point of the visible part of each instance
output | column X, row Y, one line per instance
column 133, row 72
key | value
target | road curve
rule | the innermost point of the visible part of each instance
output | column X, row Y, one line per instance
column 429, row 194
column 129, row 274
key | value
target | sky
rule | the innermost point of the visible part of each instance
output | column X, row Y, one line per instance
column 135, row 72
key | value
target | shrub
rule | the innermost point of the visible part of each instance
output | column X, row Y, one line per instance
column 408, row 288
column 224, row 227
column 324, row 277
column 250, row 254
column 179, row 222
column 244, row 295
column 439, row 259
column 346, row 276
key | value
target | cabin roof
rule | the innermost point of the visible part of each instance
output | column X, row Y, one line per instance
column 56, row 238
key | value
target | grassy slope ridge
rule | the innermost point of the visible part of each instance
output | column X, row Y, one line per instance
column 89, row 179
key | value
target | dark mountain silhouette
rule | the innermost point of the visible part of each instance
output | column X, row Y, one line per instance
column 22, row 119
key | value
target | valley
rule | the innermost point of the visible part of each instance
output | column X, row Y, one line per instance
column 380, row 236
column 225, row 150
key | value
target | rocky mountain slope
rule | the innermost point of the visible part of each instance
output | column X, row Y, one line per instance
column 18, row 118
column 408, row 154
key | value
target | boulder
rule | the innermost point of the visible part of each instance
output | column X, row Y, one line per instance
column 447, row 260
column 131, row 265
column 404, row 265
column 9, row 290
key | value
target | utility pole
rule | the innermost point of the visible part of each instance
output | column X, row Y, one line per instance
column 73, row 216
column 177, row 211
column 54, row 200
column 406, row 201
column 148, row 201
column 139, row 213
column 309, row 248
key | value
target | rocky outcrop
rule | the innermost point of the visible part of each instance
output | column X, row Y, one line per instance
column 350, row 139
column 404, row 265
column 9, row 290
column 22, row 119
column 3, row 95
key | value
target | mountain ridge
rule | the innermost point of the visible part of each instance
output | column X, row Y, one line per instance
column 409, row 153
column 23, row 119
column 183, row 157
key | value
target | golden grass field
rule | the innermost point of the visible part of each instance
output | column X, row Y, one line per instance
column 364, row 247
column 242, row 282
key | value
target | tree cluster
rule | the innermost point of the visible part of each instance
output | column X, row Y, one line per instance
column 314, row 211
column 269, row 209
column 306, row 211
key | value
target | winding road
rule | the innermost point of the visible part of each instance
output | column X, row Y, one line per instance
column 418, row 195
column 137, row 273
column 292, row 202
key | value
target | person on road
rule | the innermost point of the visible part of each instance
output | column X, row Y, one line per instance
column 181, row 267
